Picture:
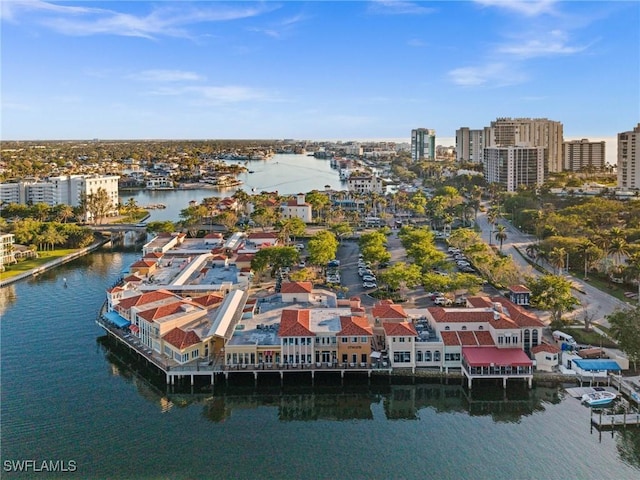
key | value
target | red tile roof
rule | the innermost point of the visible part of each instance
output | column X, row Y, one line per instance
column 545, row 347
column 165, row 310
column 245, row 257
column 486, row 356
column 143, row 299
column 355, row 326
column 484, row 338
column 208, row 300
column 519, row 289
column 115, row 289
column 253, row 235
column 181, row 339
column 450, row 338
column 467, row 338
column 388, row 309
column 296, row 287
column 132, row 278
column 295, row 323
column 143, row 263
column 213, row 235
column 399, row 329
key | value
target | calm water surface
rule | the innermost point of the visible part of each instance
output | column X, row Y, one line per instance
column 66, row 396
column 286, row 174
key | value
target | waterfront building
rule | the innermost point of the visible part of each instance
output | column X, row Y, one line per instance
column 297, row 208
column 363, row 184
column 515, row 166
column 69, row 190
column 529, row 132
column 400, row 341
column 629, row 159
column 382, row 312
column 354, row 340
column 469, row 145
column 6, row 250
column 423, row 144
column 547, row 357
column 583, row 155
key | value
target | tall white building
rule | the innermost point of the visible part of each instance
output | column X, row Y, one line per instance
column 63, row 190
column 423, row 144
column 629, row 159
column 529, row 132
column 583, row 155
column 515, row 166
column 469, row 145
column 6, row 250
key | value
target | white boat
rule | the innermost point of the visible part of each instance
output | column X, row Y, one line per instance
column 599, row 398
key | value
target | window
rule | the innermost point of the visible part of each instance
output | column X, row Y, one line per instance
column 354, row 339
column 344, row 339
column 419, row 356
column 500, row 339
column 401, row 339
column 364, row 339
column 436, row 356
column 447, row 328
column 464, row 327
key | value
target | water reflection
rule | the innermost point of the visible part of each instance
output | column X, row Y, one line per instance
column 331, row 401
column 7, row 297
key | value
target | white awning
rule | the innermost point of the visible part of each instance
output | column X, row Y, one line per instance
column 375, row 355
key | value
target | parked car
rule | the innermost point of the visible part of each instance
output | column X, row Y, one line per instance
column 443, row 301
column 302, row 264
column 300, row 246
column 369, row 278
column 334, row 263
column 370, row 285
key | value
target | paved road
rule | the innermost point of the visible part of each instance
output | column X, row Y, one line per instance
column 596, row 303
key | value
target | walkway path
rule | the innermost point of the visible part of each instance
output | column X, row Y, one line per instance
column 594, row 302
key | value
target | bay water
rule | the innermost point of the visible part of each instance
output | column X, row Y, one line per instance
column 69, row 395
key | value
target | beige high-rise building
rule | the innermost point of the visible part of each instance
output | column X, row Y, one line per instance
column 529, row 132
column 582, row 155
column 469, row 145
column 513, row 167
column 629, row 159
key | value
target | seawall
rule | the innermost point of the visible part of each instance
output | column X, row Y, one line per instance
column 54, row 263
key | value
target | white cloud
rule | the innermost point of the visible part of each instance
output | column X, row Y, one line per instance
column 166, row 20
column 529, row 8
column 218, row 94
column 492, row 74
column 551, row 43
column 397, row 7
column 165, row 76
column 416, row 42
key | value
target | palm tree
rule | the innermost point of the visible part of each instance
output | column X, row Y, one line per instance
column 557, row 258
column 501, row 234
column 618, row 248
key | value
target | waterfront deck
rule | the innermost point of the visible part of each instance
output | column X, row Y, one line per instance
column 606, row 420
column 214, row 366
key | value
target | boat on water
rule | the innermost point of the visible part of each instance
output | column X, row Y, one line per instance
column 599, row 398
column 250, row 171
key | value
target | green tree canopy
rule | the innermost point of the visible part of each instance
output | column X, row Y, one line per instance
column 553, row 293
column 625, row 329
column 322, row 247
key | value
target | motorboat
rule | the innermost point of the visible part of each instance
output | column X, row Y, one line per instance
column 598, row 398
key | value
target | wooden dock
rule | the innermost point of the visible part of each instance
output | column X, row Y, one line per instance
column 607, row 420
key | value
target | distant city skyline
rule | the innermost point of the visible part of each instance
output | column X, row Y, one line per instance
column 315, row 70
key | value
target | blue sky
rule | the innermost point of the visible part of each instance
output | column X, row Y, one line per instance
column 314, row 70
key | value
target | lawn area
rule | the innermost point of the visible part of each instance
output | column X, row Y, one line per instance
column 590, row 338
column 29, row 264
